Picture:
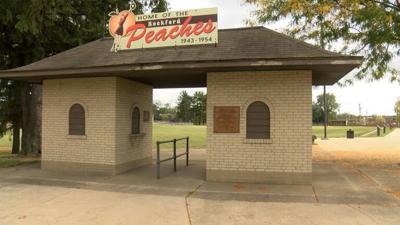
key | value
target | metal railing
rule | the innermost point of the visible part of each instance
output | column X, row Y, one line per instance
column 174, row 156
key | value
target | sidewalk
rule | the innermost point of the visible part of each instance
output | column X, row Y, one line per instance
column 332, row 183
column 340, row 194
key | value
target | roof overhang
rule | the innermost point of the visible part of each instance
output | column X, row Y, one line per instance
column 325, row 71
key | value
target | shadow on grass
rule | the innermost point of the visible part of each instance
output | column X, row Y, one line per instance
column 10, row 160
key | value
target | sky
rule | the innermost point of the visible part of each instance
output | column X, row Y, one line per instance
column 376, row 97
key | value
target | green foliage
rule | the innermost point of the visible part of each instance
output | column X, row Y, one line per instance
column 397, row 110
column 164, row 112
column 9, row 106
column 318, row 108
column 6, row 141
column 184, row 110
column 199, row 107
column 32, row 30
column 370, row 28
column 189, row 109
column 192, row 108
column 158, row 6
column 379, row 120
column 317, row 114
column 156, row 110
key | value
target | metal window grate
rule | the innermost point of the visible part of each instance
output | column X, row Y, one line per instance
column 136, row 121
column 77, row 120
column 258, row 124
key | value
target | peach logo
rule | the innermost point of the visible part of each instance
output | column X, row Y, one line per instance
column 119, row 23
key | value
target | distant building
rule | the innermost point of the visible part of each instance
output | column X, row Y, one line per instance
column 338, row 123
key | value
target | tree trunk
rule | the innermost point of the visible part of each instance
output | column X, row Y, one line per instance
column 36, row 117
column 31, row 118
column 16, row 136
column 25, row 99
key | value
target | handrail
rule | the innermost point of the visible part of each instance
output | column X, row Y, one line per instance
column 174, row 157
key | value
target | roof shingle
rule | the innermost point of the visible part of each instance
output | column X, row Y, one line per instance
column 242, row 49
column 234, row 44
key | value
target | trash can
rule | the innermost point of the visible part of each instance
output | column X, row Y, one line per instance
column 314, row 138
column 350, row 134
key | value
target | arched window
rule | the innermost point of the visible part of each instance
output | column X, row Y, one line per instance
column 258, row 124
column 136, row 121
column 76, row 120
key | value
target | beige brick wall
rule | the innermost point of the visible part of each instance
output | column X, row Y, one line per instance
column 97, row 95
column 131, row 148
column 107, row 146
column 231, row 157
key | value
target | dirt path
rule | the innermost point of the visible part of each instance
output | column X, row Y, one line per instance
column 375, row 152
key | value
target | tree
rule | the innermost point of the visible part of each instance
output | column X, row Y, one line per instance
column 199, row 107
column 397, row 110
column 32, row 30
column 184, row 112
column 317, row 114
column 164, row 112
column 318, row 108
column 379, row 120
column 156, row 110
column 370, row 28
column 10, row 112
column 168, row 113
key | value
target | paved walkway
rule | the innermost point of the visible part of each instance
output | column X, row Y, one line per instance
column 339, row 195
column 376, row 158
column 342, row 193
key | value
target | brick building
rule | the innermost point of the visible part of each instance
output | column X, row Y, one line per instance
column 97, row 104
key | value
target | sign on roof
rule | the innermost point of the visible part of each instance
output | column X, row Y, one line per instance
column 180, row 28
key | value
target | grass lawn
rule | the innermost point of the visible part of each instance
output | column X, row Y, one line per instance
column 9, row 160
column 163, row 132
column 6, row 141
column 197, row 134
column 374, row 134
column 340, row 131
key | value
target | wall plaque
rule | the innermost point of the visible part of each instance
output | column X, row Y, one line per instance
column 146, row 116
column 226, row 119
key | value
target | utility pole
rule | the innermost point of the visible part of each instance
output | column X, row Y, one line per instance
column 325, row 115
column 322, row 44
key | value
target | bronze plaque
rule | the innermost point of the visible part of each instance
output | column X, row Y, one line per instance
column 146, row 116
column 226, row 119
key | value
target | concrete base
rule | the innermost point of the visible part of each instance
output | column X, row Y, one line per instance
column 93, row 168
column 259, row 177
column 133, row 165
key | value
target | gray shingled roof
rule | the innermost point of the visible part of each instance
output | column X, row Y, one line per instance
column 244, row 44
column 252, row 43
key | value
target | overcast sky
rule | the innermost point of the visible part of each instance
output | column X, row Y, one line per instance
column 374, row 97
